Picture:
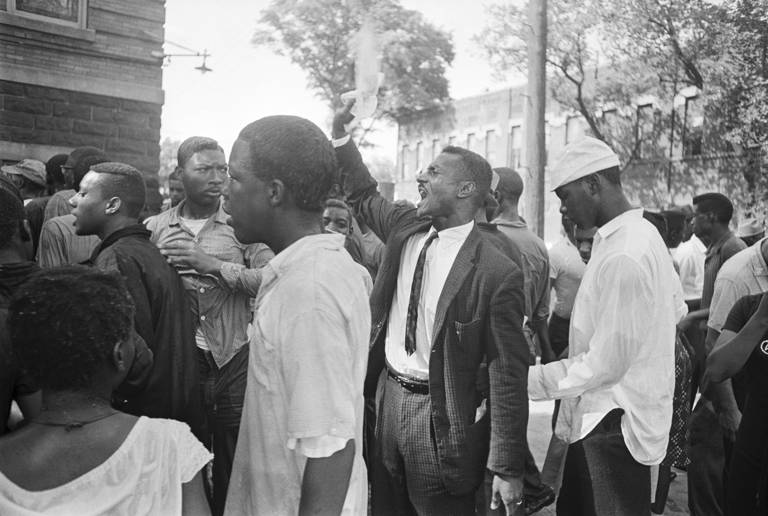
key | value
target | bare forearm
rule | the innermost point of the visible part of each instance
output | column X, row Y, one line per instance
column 325, row 483
column 542, row 333
column 722, row 397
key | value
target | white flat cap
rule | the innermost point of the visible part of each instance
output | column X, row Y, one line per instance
column 750, row 227
column 580, row 159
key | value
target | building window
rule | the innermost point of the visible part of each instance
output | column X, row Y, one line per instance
column 470, row 141
column 435, row 148
column 515, row 146
column 693, row 127
column 490, row 146
column 644, row 131
column 418, row 157
column 63, row 12
column 452, row 140
column 403, row 161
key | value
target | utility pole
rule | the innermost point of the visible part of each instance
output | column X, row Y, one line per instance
column 534, row 116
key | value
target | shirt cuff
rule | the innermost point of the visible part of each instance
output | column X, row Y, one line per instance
column 536, row 391
column 229, row 273
column 338, row 142
column 317, row 447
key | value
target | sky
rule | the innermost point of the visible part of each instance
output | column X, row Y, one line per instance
column 248, row 83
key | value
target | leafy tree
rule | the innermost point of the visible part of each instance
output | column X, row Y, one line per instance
column 315, row 34
column 168, row 150
column 604, row 55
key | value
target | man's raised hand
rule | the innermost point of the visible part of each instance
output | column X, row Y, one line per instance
column 341, row 118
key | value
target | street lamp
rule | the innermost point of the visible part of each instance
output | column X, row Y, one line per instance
column 166, row 57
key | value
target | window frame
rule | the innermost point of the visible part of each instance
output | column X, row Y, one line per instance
column 82, row 15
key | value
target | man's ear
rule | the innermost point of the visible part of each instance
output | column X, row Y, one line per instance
column 276, row 192
column 466, row 189
column 119, row 358
column 113, row 206
column 592, row 184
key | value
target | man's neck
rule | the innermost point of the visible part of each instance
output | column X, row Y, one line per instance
column 295, row 226
column 509, row 212
column 116, row 225
column 612, row 207
column 718, row 232
column 191, row 210
column 464, row 214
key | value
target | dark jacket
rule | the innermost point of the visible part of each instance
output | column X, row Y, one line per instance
column 163, row 320
column 479, row 319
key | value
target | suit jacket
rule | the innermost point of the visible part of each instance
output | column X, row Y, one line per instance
column 479, row 321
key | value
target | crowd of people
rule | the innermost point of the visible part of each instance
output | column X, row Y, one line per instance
column 277, row 338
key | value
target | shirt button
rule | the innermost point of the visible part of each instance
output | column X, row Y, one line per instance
column 202, row 318
column 202, row 290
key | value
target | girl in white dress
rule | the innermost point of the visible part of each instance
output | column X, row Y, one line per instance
column 72, row 329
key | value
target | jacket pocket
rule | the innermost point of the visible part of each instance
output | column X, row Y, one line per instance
column 468, row 331
column 468, row 342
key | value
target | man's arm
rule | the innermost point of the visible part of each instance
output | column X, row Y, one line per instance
column 693, row 317
column 721, row 395
column 360, row 188
column 541, row 316
column 507, row 356
column 185, row 253
column 626, row 303
column 325, row 482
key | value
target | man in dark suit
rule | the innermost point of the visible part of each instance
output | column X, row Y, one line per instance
column 447, row 311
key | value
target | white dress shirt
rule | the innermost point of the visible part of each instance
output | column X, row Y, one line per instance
column 622, row 341
column 689, row 257
column 440, row 257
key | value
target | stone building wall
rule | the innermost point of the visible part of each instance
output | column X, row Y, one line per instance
column 94, row 82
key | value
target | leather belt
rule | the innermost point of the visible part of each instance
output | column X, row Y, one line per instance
column 409, row 384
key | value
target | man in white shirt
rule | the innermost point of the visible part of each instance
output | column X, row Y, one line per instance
column 689, row 257
column 299, row 449
column 618, row 381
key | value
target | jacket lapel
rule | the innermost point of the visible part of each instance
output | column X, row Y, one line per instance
column 464, row 263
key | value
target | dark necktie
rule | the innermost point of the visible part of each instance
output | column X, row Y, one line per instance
column 413, row 303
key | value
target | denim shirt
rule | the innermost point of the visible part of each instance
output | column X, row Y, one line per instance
column 222, row 308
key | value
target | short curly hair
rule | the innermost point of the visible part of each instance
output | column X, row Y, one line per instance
column 192, row 146
column 295, row 151
column 64, row 323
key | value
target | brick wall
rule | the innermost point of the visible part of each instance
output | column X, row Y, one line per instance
column 127, row 130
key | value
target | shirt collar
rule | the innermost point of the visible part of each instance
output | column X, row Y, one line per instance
column 757, row 262
column 455, row 234
column 301, row 250
column 499, row 221
column 615, row 223
column 174, row 217
column 715, row 248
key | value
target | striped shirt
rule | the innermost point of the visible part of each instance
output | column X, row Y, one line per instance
column 717, row 254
